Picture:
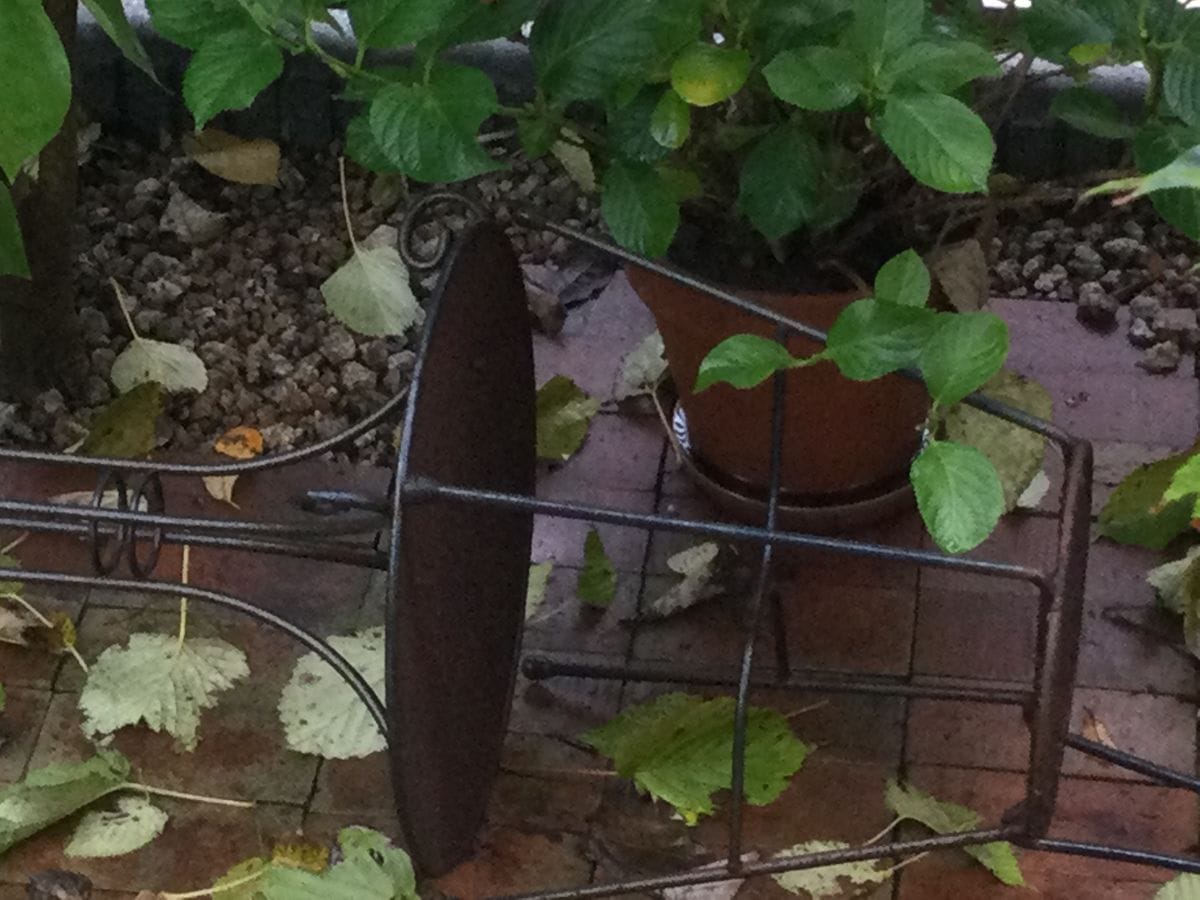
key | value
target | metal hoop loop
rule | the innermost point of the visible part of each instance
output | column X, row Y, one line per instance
column 418, row 214
column 107, row 548
column 149, row 489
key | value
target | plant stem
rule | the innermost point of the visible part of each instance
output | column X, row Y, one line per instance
column 33, row 611
column 208, row 892
column 183, row 601
column 879, row 837
column 812, row 707
column 124, row 311
column 14, row 544
column 904, row 862
column 346, row 203
column 182, row 795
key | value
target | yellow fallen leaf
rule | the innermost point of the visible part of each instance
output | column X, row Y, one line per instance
column 220, row 487
column 233, row 158
column 1096, row 730
column 242, row 442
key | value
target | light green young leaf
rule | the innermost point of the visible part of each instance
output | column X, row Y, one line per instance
column 535, row 591
column 705, row 74
column 829, row 881
column 228, row 71
column 564, row 413
column 156, row 680
column 671, row 121
column 817, row 78
column 1136, row 514
column 321, row 714
column 54, row 792
column 958, row 493
column 1016, row 452
column 371, row 294
column 908, row 802
column 126, row 426
column 940, row 140
column 1181, row 84
column 744, row 361
column 642, row 368
column 639, row 208
column 598, row 578
column 872, row 338
column 37, row 83
column 903, row 279
column 110, row 16
column 964, row 352
column 679, row 749
column 173, row 366
column 12, row 245
column 104, row 833
column 1182, row 887
column 1092, row 112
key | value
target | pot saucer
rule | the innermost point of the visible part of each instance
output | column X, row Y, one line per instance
column 834, row 516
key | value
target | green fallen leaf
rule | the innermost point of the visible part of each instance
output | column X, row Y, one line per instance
column 1016, row 453
column 958, row 493
column 679, row 748
column 157, row 680
column 1177, row 584
column 829, row 881
column 535, row 592
column 173, row 366
column 698, row 568
column 1182, row 887
column 54, row 792
column 321, row 714
column 1136, row 514
column 597, row 579
column 371, row 293
column 908, row 802
column 104, row 833
column 125, row 428
column 564, row 413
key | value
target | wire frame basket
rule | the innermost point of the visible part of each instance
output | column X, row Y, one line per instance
column 453, row 535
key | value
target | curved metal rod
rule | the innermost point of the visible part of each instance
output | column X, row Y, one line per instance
column 336, row 661
column 234, row 467
column 442, row 244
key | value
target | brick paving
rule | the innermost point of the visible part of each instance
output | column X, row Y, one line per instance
column 552, row 821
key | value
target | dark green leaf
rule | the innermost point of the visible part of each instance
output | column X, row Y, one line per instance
column 705, row 74
column 882, row 27
column 744, row 361
column 597, row 579
column 940, row 140
column 125, row 428
column 1181, row 84
column 396, row 23
column 963, row 354
column 192, row 22
column 110, row 16
column 639, row 207
column 958, row 493
column 903, row 279
column 819, row 78
column 37, row 83
column 12, row 244
column 1157, row 146
column 941, row 68
column 228, row 71
column 1054, row 28
column 428, row 131
column 671, row 122
column 1135, row 513
column 872, row 338
column 630, row 127
column 471, row 20
column 1092, row 112
column 362, row 147
column 537, row 136
column 781, row 182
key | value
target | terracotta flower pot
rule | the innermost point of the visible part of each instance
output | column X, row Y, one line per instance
column 844, row 441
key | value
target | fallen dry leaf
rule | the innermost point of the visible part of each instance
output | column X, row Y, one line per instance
column 1095, row 730
column 233, row 158
column 242, row 442
column 220, row 487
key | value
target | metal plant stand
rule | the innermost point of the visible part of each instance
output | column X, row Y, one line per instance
column 458, row 522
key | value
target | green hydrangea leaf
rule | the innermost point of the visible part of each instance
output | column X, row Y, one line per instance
column 705, row 74
column 190, row 23
column 942, row 67
column 872, row 338
column 564, row 413
column 744, row 361
column 320, row 712
column 958, row 493
column 228, row 71
column 639, row 207
column 156, row 680
column 965, row 351
column 371, row 294
column 781, row 186
column 110, row 16
column 125, row 428
column 818, row 78
column 37, row 83
column 1091, row 112
column 12, row 244
column 105, row 833
column 671, row 121
column 598, row 578
column 678, row 748
column 903, row 279
column 1136, row 514
column 940, row 140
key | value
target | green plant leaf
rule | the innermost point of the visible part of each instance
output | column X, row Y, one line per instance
column 671, row 121
column 105, row 833
column 321, row 714
column 940, row 140
column 679, row 749
column 828, row 882
column 428, row 131
column 958, row 493
column 744, row 361
column 908, row 802
column 173, row 366
column 564, row 413
column 228, row 72
column 371, row 294
column 157, row 680
column 781, row 182
column 882, row 27
column 1177, row 584
column 965, row 351
column 819, row 78
column 54, row 792
column 639, row 208
column 1055, row 28
column 705, row 74
column 1159, row 146
column 598, row 578
column 12, row 244
column 940, row 68
column 1181, row 887
column 362, row 147
column 191, row 22
column 1180, row 176
column 872, row 338
column 1181, row 84
column 537, row 135
column 903, row 279
column 1016, row 452
column 37, row 83
column 1135, row 513
column 125, row 428
column 1185, row 483
column 110, row 16
column 1092, row 112
column 535, row 591
column 397, row 23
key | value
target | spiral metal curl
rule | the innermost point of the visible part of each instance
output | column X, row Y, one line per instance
column 419, row 214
